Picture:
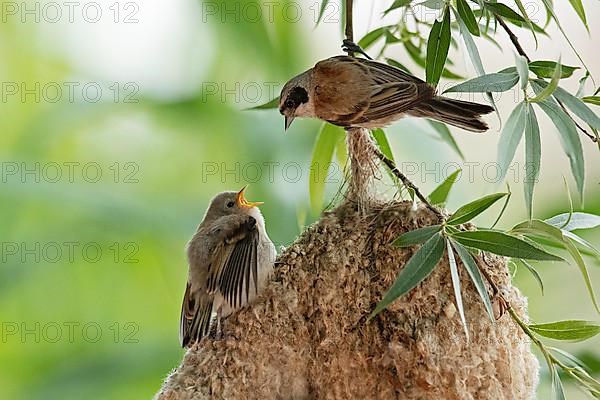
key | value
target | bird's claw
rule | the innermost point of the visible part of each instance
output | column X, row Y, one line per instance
column 350, row 47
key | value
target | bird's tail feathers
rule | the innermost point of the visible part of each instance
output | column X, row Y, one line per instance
column 459, row 113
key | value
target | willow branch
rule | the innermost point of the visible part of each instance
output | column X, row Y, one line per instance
column 513, row 38
column 406, row 182
column 349, row 31
column 515, row 41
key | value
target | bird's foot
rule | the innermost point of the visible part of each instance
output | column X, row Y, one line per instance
column 350, row 47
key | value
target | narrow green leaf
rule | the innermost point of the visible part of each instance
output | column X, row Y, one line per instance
column 475, row 58
column 551, row 13
column 557, row 387
column 415, row 54
column 511, row 137
column 551, row 87
column 437, row 49
column 533, row 272
column 383, row 143
column 584, row 271
column 582, row 82
column 578, row 107
column 571, row 359
column 578, row 220
column 341, row 150
column 546, row 69
column 396, row 64
column 417, row 236
column 390, row 38
column 446, row 136
column 540, row 228
column 397, row 4
column 474, row 208
column 571, row 330
column 533, row 154
column 496, row 82
column 578, row 7
column 528, row 21
column 433, row 4
column 504, row 245
column 420, row 265
column 523, row 70
column 504, row 206
column 467, row 16
column 321, row 160
column 440, row 193
column 475, row 274
column 588, row 248
column 371, row 37
column 322, row 10
column 456, row 286
column 595, row 100
column 504, row 11
column 537, row 228
column 267, row 106
column 569, row 138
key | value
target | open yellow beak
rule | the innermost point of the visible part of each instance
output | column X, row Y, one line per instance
column 242, row 202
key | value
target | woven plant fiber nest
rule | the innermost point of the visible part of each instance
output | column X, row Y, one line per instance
column 307, row 337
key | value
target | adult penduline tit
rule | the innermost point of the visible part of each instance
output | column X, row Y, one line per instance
column 355, row 92
column 230, row 259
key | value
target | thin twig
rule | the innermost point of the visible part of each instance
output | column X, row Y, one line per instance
column 581, row 128
column 513, row 38
column 349, row 31
column 407, row 182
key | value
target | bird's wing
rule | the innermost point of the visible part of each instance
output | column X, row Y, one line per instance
column 393, row 98
column 235, row 261
column 242, row 264
column 226, row 268
column 196, row 312
column 394, row 91
column 351, row 90
column 384, row 73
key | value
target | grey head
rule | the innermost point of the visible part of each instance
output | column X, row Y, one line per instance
column 229, row 203
column 295, row 100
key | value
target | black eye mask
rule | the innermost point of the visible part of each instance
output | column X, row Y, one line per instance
column 297, row 96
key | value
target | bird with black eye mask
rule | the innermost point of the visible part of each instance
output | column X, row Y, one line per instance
column 354, row 92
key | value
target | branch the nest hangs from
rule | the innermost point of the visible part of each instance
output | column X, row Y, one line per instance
column 362, row 150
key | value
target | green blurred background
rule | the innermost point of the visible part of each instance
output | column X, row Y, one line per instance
column 116, row 134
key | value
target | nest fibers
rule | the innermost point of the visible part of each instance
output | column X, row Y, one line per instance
column 306, row 337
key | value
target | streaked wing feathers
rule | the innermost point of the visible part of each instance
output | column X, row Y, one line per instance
column 196, row 311
column 234, row 281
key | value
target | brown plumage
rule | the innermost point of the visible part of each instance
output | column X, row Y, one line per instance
column 230, row 258
column 353, row 92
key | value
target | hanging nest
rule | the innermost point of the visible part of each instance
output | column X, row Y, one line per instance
column 307, row 336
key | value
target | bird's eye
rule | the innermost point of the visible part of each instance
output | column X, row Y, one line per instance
column 230, row 204
column 289, row 104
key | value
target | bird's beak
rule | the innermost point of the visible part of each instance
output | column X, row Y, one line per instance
column 288, row 121
column 242, row 202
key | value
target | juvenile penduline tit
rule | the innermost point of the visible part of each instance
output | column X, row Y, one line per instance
column 230, row 259
column 354, row 92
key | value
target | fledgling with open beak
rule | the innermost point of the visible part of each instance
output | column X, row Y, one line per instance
column 355, row 92
column 230, row 259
